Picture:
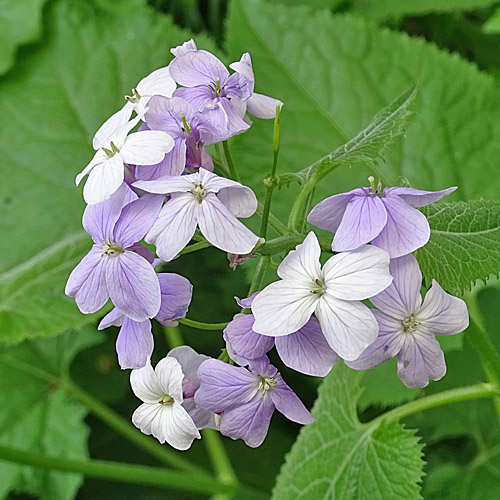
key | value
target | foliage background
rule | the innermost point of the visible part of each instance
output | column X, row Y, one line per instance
column 64, row 67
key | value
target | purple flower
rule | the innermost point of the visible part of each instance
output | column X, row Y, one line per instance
column 135, row 343
column 247, row 398
column 206, row 200
column 407, row 328
column 388, row 219
column 114, row 268
column 305, row 351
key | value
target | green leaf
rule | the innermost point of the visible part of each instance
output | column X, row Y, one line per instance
column 334, row 73
column 338, row 457
column 36, row 414
column 20, row 23
column 56, row 99
column 397, row 8
column 464, row 244
column 492, row 26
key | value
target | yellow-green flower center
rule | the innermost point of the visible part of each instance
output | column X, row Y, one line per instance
column 111, row 248
column 410, row 323
column 265, row 383
column 320, row 287
column 199, row 192
column 166, row 399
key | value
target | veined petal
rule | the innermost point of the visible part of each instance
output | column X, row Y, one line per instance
column 176, row 292
column 133, row 285
column 175, row 226
column 104, row 180
column 198, row 67
column 240, row 200
column 147, row 147
column 145, row 384
column 283, row 307
column 420, row 359
column 189, row 360
column 173, row 164
column 164, row 114
column 98, row 158
column 349, row 327
column 159, row 82
column 262, row 106
column 357, row 275
column 417, row 198
column 108, row 129
column 364, row 217
column 87, row 282
column 179, row 430
column 406, row 230
column 244, row 68
column 288, row 403
column 402, row 297
column 198, row 97
column 307, row 350
column 166, row 185
column 114, row 318
column 302, row 264
column 134, row 344
column 222, row 229
column 136, row 219
column 442, row 313
column 170, row 375
column 180, row 50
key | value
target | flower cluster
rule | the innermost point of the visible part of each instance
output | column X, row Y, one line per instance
column 158, row 185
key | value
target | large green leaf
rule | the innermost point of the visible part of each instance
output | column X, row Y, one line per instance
column 338, row 457
column 464, row 244
column 36, row 414
column 334, row 73
column 55, row 100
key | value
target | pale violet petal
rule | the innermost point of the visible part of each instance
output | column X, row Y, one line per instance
column 189, row 360
column 134, row 344
column 166, row 185
column 416, row 197
column 241, row 201
column 180, row 50
column 198, row 67
column 262, row 106
column 173, row 164
column 113, row 318
column 176, row 292
column 288, row 403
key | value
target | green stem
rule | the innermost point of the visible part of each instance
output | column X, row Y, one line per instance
column 289, row 242
column 229, row 162
column 202, row 326
column 452, row 396
column 127, row 430
column 260, row 272
column 195, row 247
column 274, row 222
column 174, row 336
column 124, row 473
column 296, row 211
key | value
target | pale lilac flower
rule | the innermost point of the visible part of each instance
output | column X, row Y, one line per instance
column 408, row 327
column 162, row 414
column 135, row 343
column 305, row 351
column 115, row 266
column 202, row 200
column 247, row 398
column 333, row 294
column 180, row 50
column 159, row 82
column 388, row 218
column 106, row 170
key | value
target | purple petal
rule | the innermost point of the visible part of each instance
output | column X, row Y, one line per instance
column 244, row 341
column 406, row 230
column 114, row 318
column 240, row 200
column 197, row 68
column 172, row 165
column 136, row 219
column 100, row 219
column 198, row 97
column 420, row 359
column 263, row 106
column 134, row 344
column 244, row 68
column 223, row 385
column 175, row 226
column 180, row 50
column 222, row 229
column 249, row 421
column 328, row 213
column 288, row 403
column 176, row 293
column 133, row 286
column 189, row 360
column 165, row 114
column 262, row 367
column 247, row 302
column 389, row 342
column 203, row 419
column 307, row 350
column 87, row 282
column 364, row 217
column 442, row 313
column 235, row 124
column 417, row 198
column 402, row 297
column 165, row 185
column 144, row 252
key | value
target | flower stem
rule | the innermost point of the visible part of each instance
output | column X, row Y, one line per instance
column 289, row 242
column 452, row 396
column 202, row 326
column 274, row 222
column 260, row 272
column 302, row 197
column 174, row 336
column 229, row 162
column 195, row 247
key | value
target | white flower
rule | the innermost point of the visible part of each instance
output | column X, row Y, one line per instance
column 106, row 169
column 159, row 82
column 332, row 294
column 161, row 413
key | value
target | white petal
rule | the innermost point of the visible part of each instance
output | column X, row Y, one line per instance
column 166, row 185
column 108, row 129
column 349, row 327
column 147, row 147
column 177, row 427
column 302, row 264
column 159, row 82
column 97, row 159
column 283, row 307
column 104, row 180
column 146, row 385
column 357, row 275
column 263, row 106
column 170, row 375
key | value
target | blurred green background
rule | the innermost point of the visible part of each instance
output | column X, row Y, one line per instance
column 64, row 68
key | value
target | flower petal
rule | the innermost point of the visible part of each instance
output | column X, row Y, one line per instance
column 159, row 82
column 307, row 350
column 98, row 158
column 114, row 318
column 146, row 385
column 442, row 313
column 420, row 359
column 147, row 147
column 288, row 403
column 349, row 327
column 240, row 200
column 180, row 50
column 197, row 68
column 302, row 264
column 170, row 375
column 262, row 106
column 176, row 292
column 283, row 307
column 173, row 164
column 108, row 129
column 357, row 275
column 189, row 360
column 406, row 230
column 104, row 180
column 417, row 198
column 165, row 114
column 133, row 286
column 171, row 184
column 134, row 344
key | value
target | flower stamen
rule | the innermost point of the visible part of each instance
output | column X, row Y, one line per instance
column 410, row 323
